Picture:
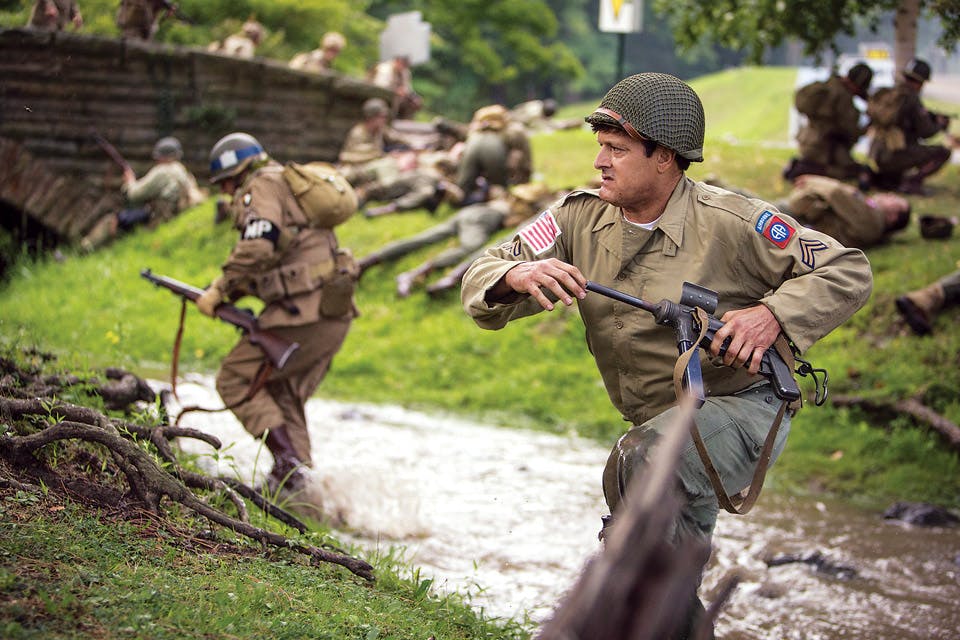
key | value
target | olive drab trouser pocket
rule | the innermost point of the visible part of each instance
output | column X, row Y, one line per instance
column 337, row 298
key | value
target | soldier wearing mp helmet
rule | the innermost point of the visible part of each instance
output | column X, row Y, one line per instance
column 294, row 267
column 647, row 230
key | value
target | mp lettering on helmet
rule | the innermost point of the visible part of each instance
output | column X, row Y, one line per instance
column 774, row 229
column 259, row 228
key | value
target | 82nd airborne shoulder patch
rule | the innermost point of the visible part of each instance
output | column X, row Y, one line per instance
column 775, row 229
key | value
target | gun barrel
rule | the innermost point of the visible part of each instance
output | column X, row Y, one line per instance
column 621, row 296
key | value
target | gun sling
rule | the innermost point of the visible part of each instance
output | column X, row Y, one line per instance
column 737, row 504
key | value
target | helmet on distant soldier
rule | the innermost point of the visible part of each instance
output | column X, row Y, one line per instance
column 860, row 75
column 917, row 70
column 167, row 148
column 232, row 154
column 375, row 107
column 658, row 107
column 549, row 107
column 333, row 40
column 253, row 30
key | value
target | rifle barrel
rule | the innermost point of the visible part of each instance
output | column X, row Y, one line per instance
column 621, row 296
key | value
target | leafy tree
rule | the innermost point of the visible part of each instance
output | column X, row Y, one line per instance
column 487, row 51
column 759, row 25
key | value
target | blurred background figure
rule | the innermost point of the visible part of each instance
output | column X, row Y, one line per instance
column 395, row 75
column 140, row 19
column 320, row 60
column 242, row 44
column 54, row 15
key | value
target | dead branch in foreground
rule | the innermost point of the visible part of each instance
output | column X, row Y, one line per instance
column 640, row 587
column 148, row 483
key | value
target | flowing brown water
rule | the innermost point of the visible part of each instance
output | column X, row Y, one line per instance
column 508, row 518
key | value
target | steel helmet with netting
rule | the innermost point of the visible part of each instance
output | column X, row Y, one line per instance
column 232, row 154
column 658, row 107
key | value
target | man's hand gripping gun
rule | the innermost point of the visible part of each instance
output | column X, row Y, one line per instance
column 276, row 349
column 686, row 324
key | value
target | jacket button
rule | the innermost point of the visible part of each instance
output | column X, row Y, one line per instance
column 618, row 324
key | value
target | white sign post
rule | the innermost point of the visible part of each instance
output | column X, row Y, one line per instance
column 621, row 16
column 407, row 35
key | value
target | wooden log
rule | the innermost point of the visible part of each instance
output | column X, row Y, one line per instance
column 912, row 407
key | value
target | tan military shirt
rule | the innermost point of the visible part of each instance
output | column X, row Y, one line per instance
column 277, row 252
column 361, row 145
column 838, row 210
column 743, row 249
column 167, row 188
column 310, row 61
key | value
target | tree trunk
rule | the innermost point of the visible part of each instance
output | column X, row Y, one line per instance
column 905, row 32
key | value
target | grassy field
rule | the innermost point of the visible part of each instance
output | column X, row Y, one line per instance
column 95, row 311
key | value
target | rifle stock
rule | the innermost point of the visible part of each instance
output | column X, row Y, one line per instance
column 275, row 348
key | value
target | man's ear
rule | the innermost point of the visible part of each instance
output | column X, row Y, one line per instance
column 665, row 158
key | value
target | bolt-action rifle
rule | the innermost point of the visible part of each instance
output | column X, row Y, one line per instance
column 174, row 9
column 276, row 349
column 111, row 151
column 682, row 317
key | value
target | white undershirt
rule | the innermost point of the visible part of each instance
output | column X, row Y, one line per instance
column 648, row 226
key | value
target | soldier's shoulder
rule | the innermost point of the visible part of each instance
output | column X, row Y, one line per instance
column 728, row 202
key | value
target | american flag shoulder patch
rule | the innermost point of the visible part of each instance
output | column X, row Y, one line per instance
column 542, row 233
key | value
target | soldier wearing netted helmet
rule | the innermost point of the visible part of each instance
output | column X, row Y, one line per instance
column 648, row 229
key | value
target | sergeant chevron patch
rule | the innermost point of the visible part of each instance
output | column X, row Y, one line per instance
column 808, row 251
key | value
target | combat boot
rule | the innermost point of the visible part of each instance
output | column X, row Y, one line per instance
column 383, row 210
column 441, row 286
column 919, row 307
column 406, row 280
column 287, row 472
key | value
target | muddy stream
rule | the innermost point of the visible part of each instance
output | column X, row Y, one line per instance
column 508, row 518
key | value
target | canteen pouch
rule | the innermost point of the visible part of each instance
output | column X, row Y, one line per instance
column 337, row 298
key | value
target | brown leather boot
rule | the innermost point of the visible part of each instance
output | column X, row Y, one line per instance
column 287, row 472
column 919, row 307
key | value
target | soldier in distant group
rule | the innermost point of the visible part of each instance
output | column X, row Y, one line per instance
column 164, row 191
column 833, row 127
column 844, row 213
column 899, row 122
column 140, row 19
column 306, row 283
column 472, row 225
column 394, row 74
column 411, row 186
column 537, row 116
column 920, row 307
column 55, row 15
column 372, row 137
column 320, row 60
column 483, row 162
column 243, row 44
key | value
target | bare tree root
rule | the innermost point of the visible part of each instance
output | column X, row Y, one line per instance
column 148, row 483
column 912, row 407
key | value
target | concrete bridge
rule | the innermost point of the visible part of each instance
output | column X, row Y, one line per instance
column 57, row 89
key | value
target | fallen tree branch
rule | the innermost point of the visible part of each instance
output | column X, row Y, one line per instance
column 911, row 407
column 150, row 484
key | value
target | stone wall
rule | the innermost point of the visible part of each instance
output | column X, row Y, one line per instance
column 57, row 89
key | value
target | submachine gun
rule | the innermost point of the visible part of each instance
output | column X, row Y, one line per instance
column 683, row 318
column 276, row 349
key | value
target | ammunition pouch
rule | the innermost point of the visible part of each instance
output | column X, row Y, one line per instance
column 292, row 279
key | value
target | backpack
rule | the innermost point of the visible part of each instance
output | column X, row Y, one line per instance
column 812, row 100
column 883, row 107
column 325, row 196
